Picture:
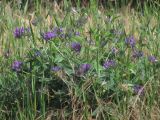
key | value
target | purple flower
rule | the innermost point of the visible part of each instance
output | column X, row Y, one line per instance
column 131, row 41
column 109, row 63
column 49, row 35
column 138, row 89
column 56, row 68
column 18, row 32
column 16, row 66
column 152, row 59
column 76, row 46
column 137, row 54
column 84, row 68
column 77, row 33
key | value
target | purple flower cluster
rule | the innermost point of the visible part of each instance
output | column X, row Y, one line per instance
column 56, row 68
column 16, row 66
column 137, row 54
column 109, row 63
column 19, row 32
column 76, row 46
column 152, row 59
column 56, row 32
column 83, row 69
column 138, row 89
column 130, row 41
column 49, row 35
column 77, row 33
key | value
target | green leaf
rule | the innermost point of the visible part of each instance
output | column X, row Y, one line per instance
column 58, row 59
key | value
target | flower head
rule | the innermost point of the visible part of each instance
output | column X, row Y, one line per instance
column 77, row 33
column 49, row 35
column 109, row 63
column 76, row 46
column 131, row 41
column 18, row 32
column 16, row 66
column 56, row 68
column 84, row 68
column 152, row 59
column 138, row 89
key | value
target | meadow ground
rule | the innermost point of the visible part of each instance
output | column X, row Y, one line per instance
column 83, row 63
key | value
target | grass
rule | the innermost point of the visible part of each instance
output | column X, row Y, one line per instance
column 36, row 91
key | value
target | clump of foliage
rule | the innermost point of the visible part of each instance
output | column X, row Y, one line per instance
column 79, row 63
